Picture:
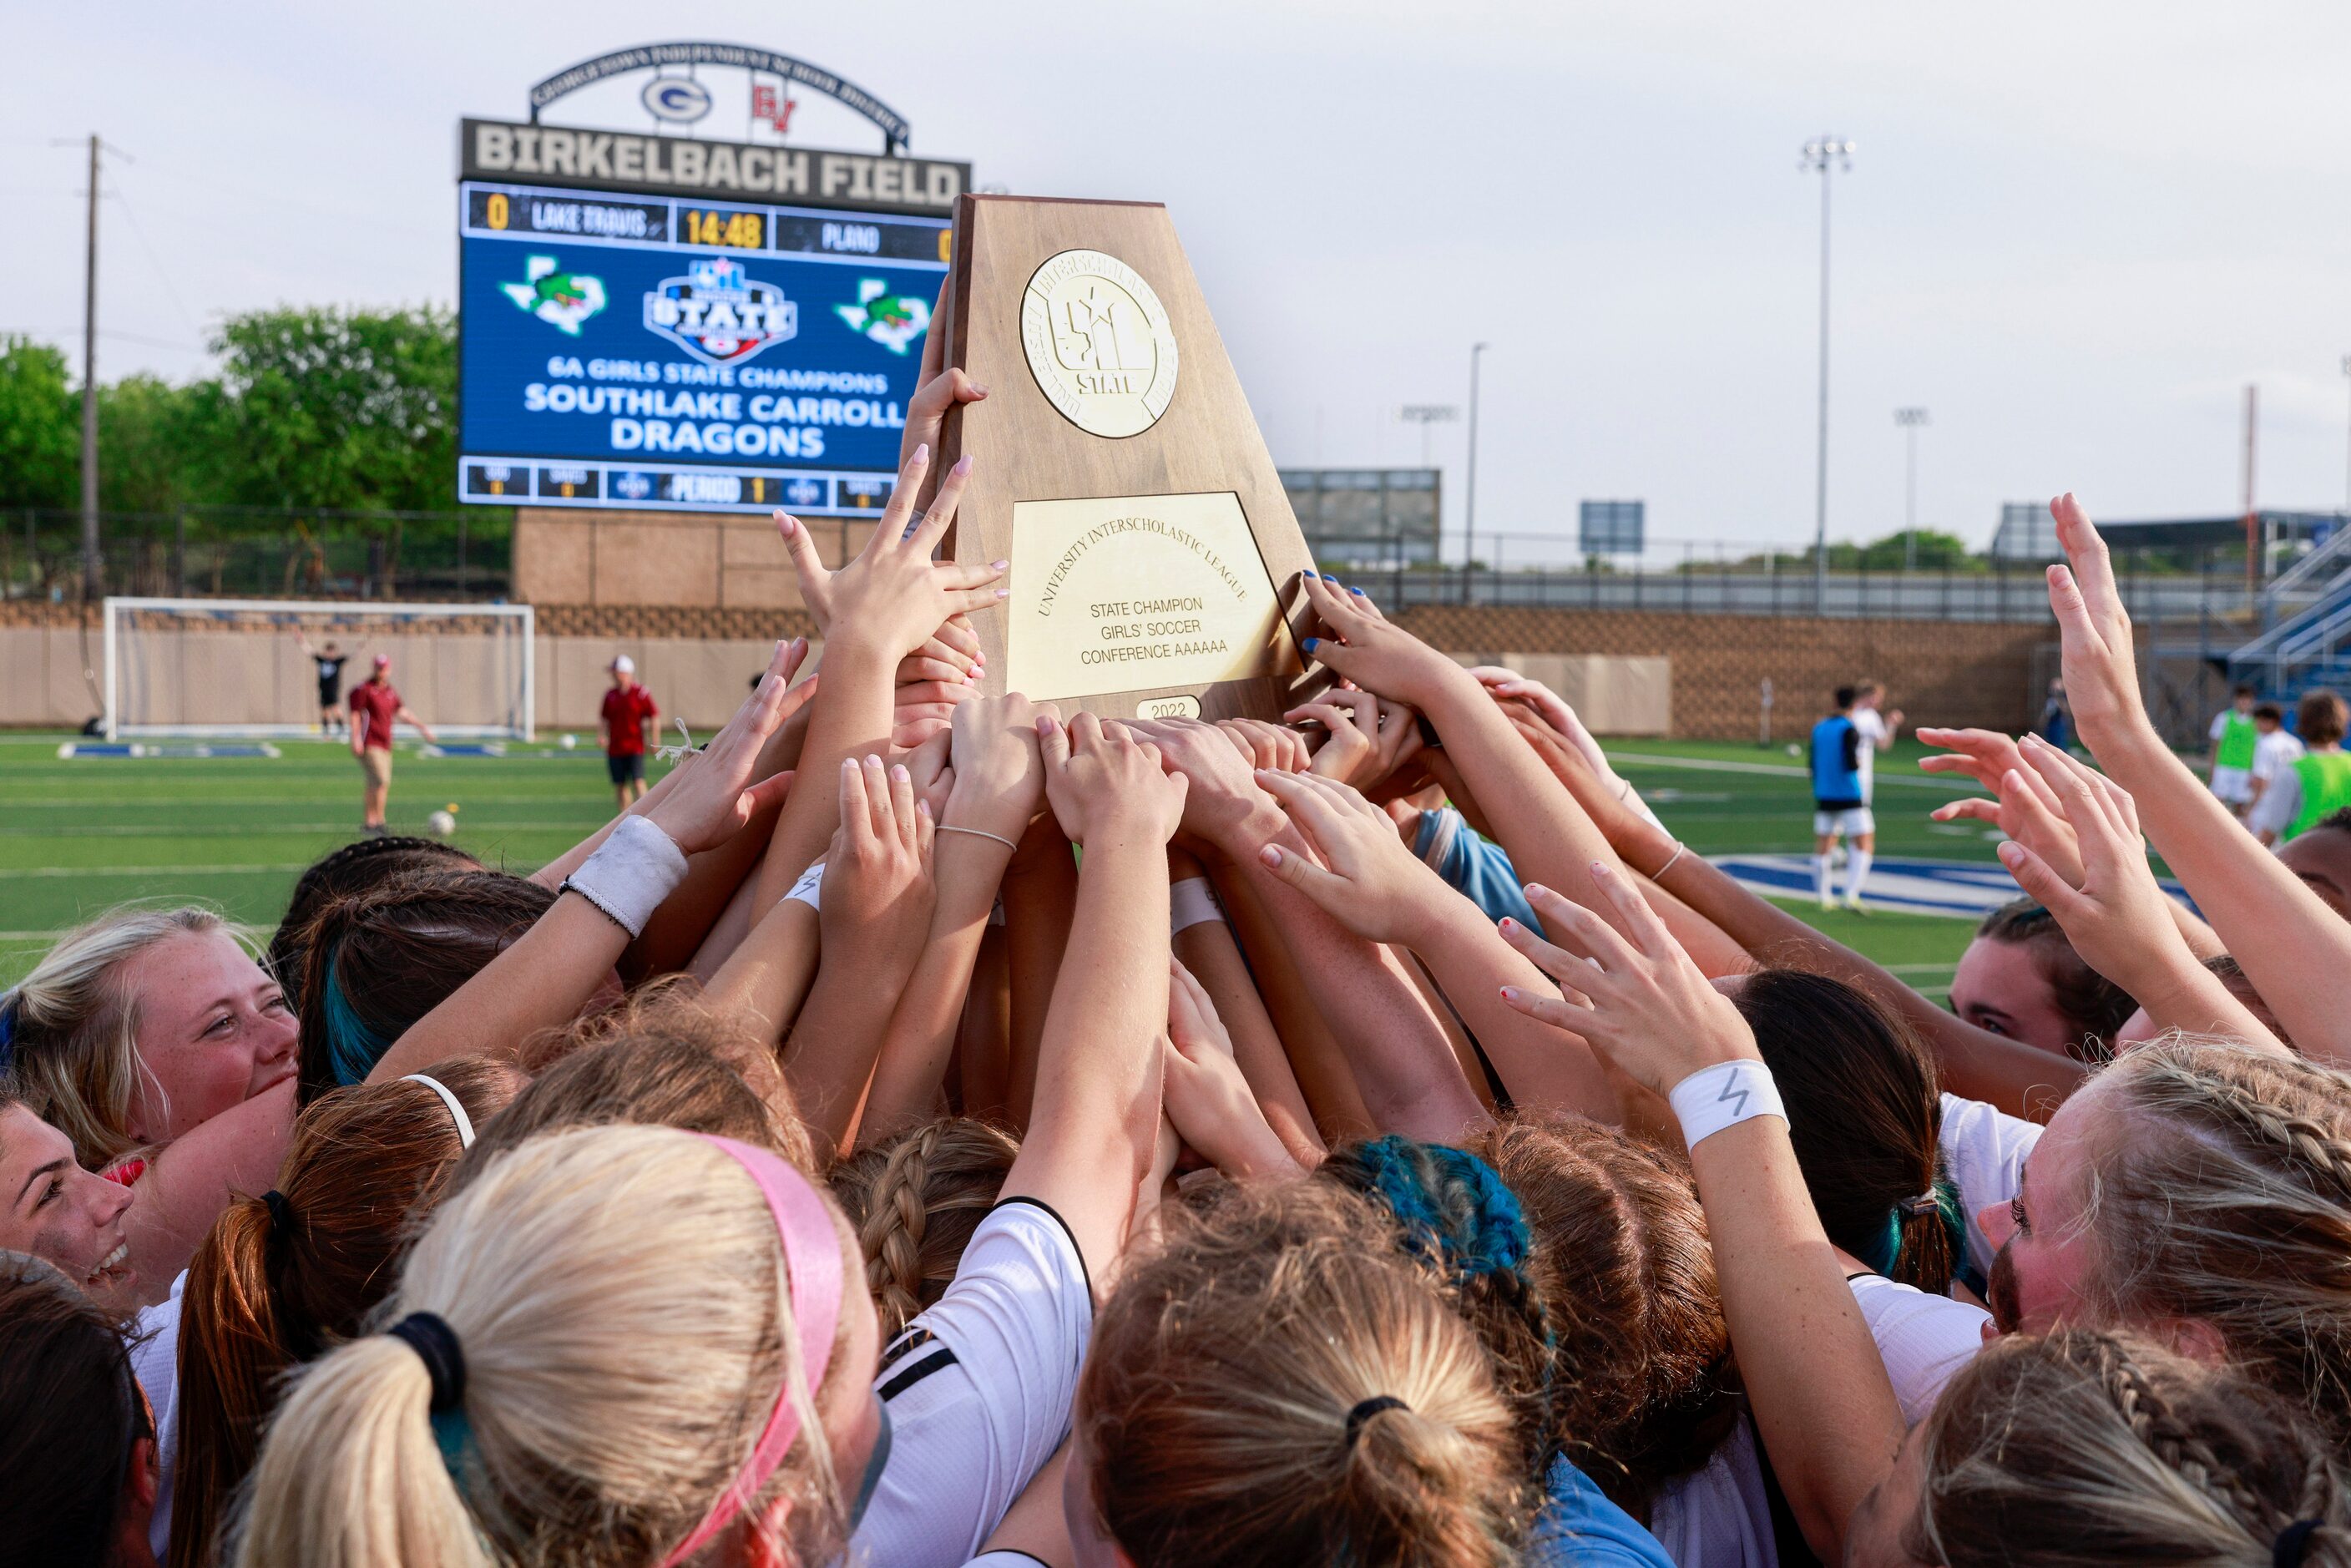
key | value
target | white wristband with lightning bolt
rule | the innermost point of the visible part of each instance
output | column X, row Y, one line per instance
column 1724, row 1095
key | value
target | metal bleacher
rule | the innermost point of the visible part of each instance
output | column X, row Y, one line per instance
column 2306, row 616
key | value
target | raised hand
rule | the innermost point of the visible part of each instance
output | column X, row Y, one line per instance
column 1637, row 997
column 1267, row 744
column 1367, row 880
column 936, row 387
column 1372, row 650
column 999, row 771
column 2101, row 672
column 1217, row 767
column 1204, row 1091
column 711, row 796
column 2022, row 805
column 2116, row 914
column 1368, row 738
column 894, row 596
column 933, row 773
column 875, row 905
column 1105, row 783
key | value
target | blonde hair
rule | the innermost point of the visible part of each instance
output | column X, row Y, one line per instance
column 1224, row 1398
column 2222, row 1192
column 915, row 1200
column 620, row 1297
column 76, row 1061
column 2082, row 1447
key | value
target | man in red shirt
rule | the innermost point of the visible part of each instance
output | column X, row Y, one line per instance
column 625, row 729
column 375, row 707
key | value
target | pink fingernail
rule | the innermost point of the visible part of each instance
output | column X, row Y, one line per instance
column 922, row 452
column 999, row 565
column 962, row 465
column 1003, row 594
column 1509, row 993
column 900, row 773
column 1270, row 854
column 1536, row 890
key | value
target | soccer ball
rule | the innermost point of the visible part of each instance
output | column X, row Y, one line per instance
column 442, row 825
column 568, row 742
column 1795, row 751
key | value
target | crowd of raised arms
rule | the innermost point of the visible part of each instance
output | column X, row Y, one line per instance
column 929, row 1127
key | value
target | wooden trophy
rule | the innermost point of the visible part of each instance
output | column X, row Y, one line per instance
column 1117, row 467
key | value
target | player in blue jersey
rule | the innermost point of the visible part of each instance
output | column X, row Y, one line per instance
column 1842, row 752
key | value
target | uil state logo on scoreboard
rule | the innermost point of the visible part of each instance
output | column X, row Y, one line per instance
column 719, row 313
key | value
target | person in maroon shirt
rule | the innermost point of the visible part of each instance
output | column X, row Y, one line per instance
column 625, row 729
column 375, row 705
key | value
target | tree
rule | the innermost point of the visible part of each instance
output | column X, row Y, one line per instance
column 162, row 447
column 40, row 427
column 326, row 407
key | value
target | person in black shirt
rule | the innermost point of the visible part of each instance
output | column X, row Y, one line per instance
column 330, row 660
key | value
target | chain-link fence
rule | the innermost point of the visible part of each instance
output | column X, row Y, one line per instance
column 262, row 553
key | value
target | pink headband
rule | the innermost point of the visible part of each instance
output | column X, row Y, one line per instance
column 812, row 1262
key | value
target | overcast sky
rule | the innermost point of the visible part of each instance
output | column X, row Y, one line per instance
column 2074, row 233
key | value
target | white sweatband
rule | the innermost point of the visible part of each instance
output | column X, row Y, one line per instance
column 1724, row 1095
column 457, row 1112
column 810, row 883
column 1190, row 903
column 629, row 874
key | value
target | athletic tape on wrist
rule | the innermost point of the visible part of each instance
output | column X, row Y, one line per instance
column 1191, row 902
column 629, row 874
column 810, row 884
column 1724, row 1095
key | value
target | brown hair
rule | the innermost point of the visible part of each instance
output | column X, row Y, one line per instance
column 1225, row 1405
column 661, row 1061
column 2081, row 1447
column 2224, row 1194
column 1866, row 1116
column 2093, row 1006
column 1643, row 1389
column 346, row 873
column 2239, row 984
column 916, row 1200
column 70, row 1418
column 278, row 1282
column 2320, row 718
column 381, row 960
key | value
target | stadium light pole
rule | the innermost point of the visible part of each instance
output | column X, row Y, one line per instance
column 1470, row 530
column 1823, row 155
column 1910, row 418
column 1425, row 414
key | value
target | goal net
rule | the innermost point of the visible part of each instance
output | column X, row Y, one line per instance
column 240, row 666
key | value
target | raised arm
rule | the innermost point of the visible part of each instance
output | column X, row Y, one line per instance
column 2293, row 947
column 1094, row 1123
column 1208, row 1100
column 548, row 975
column 1814, row 1376
column 1205, row 947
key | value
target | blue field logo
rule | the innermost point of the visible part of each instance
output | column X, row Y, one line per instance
column 720, row 314
column 561, row 300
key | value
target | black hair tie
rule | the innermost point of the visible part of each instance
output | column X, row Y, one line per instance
column 1366, row 1410
column 281, row 1213
column 1925, row 1203
column 2293, row 1542
column 435, row 1342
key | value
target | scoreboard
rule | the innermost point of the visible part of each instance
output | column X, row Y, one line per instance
column 635, row 350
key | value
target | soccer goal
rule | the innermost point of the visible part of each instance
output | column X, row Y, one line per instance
column 244, row 666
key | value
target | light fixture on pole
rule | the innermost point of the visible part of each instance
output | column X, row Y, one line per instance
column 1910, row 418
column 1824, row 155
column 1425, row 414
column 1469, row 550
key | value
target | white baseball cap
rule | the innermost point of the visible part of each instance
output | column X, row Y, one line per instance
column 624, row 664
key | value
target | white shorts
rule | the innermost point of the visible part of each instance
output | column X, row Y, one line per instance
column 1853, row 821
column 2235, row 785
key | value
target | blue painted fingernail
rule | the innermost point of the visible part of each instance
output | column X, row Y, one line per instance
column 1354, row 590
column 1310, row 643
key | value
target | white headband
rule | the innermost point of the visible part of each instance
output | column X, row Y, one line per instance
column 457, row 1112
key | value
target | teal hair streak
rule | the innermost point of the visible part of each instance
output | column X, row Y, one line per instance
column 353, row 1046
column 1882, row 1257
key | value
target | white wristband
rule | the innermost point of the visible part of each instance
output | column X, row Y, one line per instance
column 811, row 882
column 1724, row 1095
column 1191, row 903
column 629, row 874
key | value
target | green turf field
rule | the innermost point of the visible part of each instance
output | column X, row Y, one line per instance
column 77, row 836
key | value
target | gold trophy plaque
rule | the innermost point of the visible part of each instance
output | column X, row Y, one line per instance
column 1116, row 466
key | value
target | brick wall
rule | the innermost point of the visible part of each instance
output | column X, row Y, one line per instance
column 1938, row 671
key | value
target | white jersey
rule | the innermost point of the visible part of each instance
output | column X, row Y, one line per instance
column 1924, row 1339
column 2276, row 752
column 980, row 1390
column 1719, row 1515
column 155, row 1362
column 1872, row 726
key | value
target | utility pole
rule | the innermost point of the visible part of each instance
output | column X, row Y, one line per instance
column 90, row 586
column 1910, row 418
column 1821, row 155
column 2256, row 552
column 2346, row 450
column 1470, row 549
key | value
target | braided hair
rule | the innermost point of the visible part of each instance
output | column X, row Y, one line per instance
column 916, row 1200
column 1461, row 1221
column 2083, row 1447
column 2223, row 1196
